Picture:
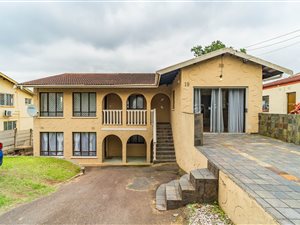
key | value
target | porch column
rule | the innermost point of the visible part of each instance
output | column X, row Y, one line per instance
column 124, row 151
column 124, row 110
column 148, row 151
column 148, row 110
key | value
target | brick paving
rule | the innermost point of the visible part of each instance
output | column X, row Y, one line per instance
column 268, row 169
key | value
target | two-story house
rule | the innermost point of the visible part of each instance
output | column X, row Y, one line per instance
column 138, row 118
column 13, row 105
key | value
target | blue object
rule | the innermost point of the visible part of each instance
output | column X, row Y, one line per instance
column 1, row 157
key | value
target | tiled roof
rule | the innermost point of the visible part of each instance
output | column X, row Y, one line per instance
column 292, row 79
column 101, row 79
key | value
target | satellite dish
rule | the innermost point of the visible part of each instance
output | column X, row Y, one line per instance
column 32, row 111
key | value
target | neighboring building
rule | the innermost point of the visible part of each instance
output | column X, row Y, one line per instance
column 13, row 105
column 281, row 96
column 97, row 119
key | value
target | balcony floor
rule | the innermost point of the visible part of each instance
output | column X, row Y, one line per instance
column 136, row 159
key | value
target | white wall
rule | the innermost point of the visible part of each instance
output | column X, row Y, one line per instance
column 278, row 97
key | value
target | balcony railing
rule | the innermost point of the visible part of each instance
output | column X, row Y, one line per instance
column 136, row 117
column 112, row 117
column 133, row 117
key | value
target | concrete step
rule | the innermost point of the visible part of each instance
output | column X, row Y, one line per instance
column 173, row 196
column 187, row 190
column 161, row 203
column 165, row 152
column 165, row 140
column 164, row 160
column 164, row 148
column 167, row 157
column 159, row 144
column 205, row 183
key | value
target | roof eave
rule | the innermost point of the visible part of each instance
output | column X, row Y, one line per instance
column 91, row 86
column 16, row 83
column 219, row 52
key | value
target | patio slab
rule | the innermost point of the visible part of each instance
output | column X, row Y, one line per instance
column 267, row 169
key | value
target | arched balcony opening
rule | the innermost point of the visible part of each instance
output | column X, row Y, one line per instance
column 161, row 103
column 112, row 109
column 136, row 149
column 136, row 110
column 112, row 149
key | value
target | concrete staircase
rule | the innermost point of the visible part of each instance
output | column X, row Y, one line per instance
column 165, row 151
column 200, row 185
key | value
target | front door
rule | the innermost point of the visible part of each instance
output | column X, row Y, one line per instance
column 291, row 101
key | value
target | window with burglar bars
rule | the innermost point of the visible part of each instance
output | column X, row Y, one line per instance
column 51, row 104
column 84, row 104
column 10, row 125
column 52, row 143
column 6, row 99
column 84, row 144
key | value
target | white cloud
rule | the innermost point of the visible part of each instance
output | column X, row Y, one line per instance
column 45, row 39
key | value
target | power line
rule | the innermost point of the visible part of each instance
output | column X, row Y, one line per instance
column 279, row 42
column 274, row 38
column 275, row 50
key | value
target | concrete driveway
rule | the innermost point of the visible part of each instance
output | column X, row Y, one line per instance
column 104, row 195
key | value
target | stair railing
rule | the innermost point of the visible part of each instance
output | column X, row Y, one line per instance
column 153, row 121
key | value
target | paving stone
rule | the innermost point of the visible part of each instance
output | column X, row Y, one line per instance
column 296, row 222
column 276, row 203
column 292, row 203
column 263, row 203
column 289, row 213
column 275, row 213
column 264, row 194
column 255, row 163
column 285, row 222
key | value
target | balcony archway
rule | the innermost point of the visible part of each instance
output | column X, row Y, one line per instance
column 112, row 109
column 136, row 149
column 136, row 110
column 161, row 103
column 112, row 149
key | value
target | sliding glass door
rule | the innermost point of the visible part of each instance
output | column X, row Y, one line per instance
column 223, row 109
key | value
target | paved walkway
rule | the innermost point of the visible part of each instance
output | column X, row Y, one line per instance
column 104, row 195
column 268, row 169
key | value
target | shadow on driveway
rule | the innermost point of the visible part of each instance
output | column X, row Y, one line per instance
column 104, row 195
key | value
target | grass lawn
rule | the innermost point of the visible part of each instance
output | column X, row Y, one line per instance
column 25, row 178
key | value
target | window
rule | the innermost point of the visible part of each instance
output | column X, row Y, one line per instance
column 6, row 99
column 52, row 143
column 27, row 101
column 173, row 99
column 84, row 144
column 136, row 102
column 10, row 125
column 136, row 139
column 265, row 105
column 51, row 104
column 84, row 104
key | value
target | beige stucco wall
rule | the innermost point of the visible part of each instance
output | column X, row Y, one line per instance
column 19, row 109
column 278, row 97
column 206, row 74
column 69, row 124
column 239, row 206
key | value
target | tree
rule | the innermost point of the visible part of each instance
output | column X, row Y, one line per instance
column 215, row 45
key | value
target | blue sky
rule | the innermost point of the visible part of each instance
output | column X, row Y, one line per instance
column 42, row 39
